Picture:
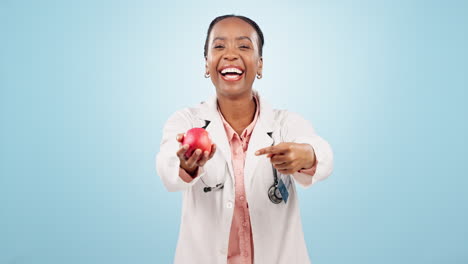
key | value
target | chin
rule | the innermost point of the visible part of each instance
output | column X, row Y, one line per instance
column 232, row 90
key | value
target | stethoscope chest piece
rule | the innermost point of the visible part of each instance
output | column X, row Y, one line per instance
column 274, row 194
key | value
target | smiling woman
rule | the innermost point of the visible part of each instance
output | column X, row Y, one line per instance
column 248, row 212
column 233, row 54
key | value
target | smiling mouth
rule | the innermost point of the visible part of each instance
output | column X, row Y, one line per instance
column 231, row 74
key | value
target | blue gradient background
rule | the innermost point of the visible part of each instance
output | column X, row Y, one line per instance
column 86, row 87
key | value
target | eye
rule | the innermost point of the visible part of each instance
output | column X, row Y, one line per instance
column 244, row 47
column 218, row 46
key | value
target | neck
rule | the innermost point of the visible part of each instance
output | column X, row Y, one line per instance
column 239, row 112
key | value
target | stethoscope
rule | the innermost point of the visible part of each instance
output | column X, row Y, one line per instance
column 273, row 192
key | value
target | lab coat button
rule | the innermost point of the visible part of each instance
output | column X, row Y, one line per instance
column 229, row 205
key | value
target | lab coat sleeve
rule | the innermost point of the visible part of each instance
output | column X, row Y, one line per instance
column 167, row 162
column 299, row 130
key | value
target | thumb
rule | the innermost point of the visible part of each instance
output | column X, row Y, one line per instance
column 180, row 137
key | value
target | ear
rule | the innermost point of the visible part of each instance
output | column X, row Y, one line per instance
column 260, row 65
column 206, row 65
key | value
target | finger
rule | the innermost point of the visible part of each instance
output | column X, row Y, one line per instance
column 208, row 156
column 267, row 150
column 282, row 166
column 278, row 159
column 213, row 150
column 276, row 149
column 181, row 152
column 192, row 161
column 180, row 137
column 203, row 159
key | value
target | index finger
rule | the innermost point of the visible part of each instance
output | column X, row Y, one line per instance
column 268, row 150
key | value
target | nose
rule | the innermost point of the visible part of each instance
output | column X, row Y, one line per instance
column 230, row 54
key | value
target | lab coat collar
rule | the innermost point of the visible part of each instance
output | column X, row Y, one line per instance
column 260, row 138
column 209, row 111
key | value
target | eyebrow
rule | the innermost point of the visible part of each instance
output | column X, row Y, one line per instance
column 243, row 37
column 238, row 38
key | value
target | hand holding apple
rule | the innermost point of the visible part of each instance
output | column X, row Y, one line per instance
column 195, row 149
column 196, row 138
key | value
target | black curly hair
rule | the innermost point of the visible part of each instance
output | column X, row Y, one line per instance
column 246, row 19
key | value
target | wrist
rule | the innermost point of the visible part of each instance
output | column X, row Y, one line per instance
column 310, row 157
column 191, row 171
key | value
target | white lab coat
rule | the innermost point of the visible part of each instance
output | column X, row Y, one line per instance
column 206, row 217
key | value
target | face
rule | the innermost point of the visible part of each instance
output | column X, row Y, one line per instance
column 233, row 59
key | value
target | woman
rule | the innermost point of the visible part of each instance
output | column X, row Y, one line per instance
column 239, row 200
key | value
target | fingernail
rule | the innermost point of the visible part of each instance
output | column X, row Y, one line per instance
column 257, row 152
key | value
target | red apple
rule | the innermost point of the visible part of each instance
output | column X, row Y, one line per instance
column 197, row 138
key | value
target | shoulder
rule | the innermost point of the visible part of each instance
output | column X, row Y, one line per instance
column 285, row 117
column 277, row 114
column 188, row 115
column 290, row 125
column 279, row 118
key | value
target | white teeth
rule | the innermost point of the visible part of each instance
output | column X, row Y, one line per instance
column 230, row 70
column 232, row 77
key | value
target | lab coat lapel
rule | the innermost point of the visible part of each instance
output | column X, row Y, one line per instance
column 260, row 138
column 215, row 128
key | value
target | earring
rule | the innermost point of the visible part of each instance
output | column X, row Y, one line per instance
column 207, row 75
column 259, row 76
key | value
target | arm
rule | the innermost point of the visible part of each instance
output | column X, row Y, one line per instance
column 167, row 161
column 302, row 152
column 299, row 130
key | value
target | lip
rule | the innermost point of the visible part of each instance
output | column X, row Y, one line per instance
column 227, row 79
